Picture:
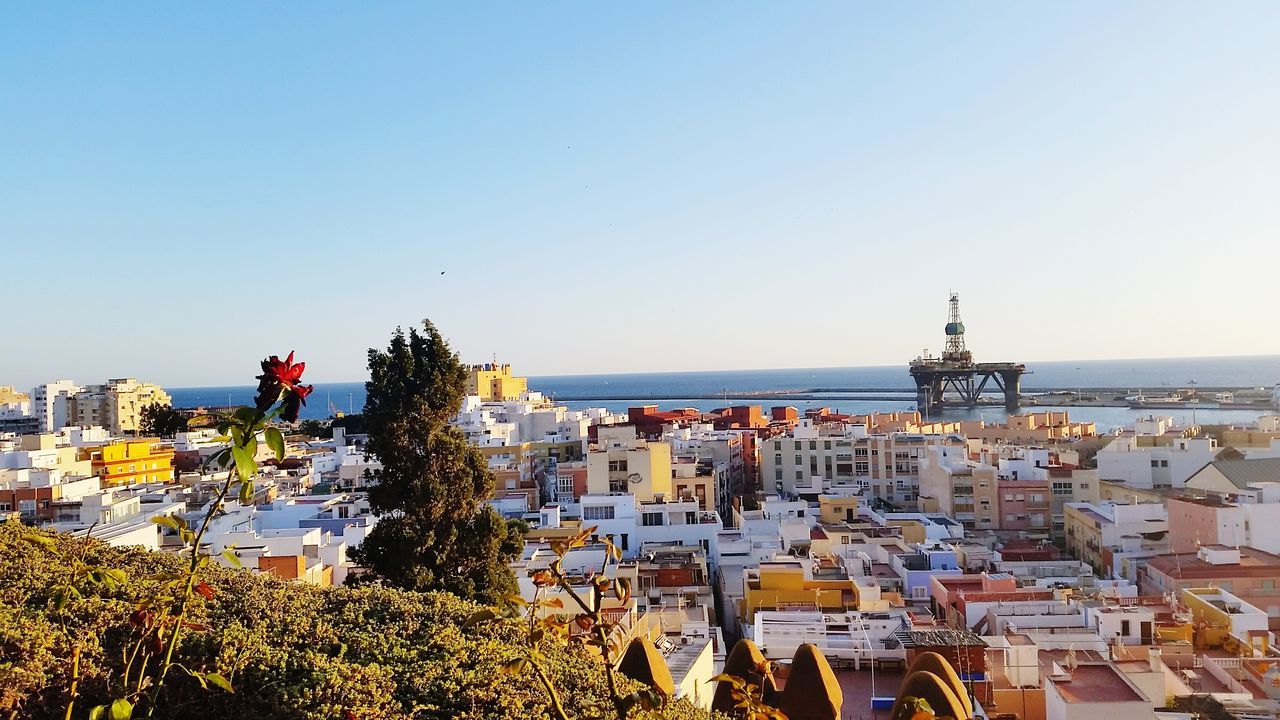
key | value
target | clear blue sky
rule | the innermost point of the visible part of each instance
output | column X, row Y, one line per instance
column 645, row 186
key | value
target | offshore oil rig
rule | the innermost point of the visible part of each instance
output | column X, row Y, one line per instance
column 955, row 380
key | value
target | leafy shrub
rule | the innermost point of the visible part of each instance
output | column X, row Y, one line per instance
column 290, row 650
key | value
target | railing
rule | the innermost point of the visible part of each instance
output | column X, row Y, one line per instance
column 1217, row 667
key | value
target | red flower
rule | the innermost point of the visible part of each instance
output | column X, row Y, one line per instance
column 294, row 398
column 284, row 372
column 278, row 376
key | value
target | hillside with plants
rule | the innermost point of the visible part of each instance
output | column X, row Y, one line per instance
column 287, row 650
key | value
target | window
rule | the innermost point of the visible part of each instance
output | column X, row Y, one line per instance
column 624, row 541
column 1155, row 463
column 597, row 512
column 1124, row 628
column 1164, row 463
column 860, row 452
column 617, row 466
column 777, row 473
column 844, row 539
column 651, row 519
column 1268, row 584
column 1009, row 517
column 862, row 468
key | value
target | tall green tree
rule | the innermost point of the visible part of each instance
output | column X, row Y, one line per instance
column 435, row 531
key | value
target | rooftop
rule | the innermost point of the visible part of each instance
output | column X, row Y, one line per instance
column 1097, row 683
column 1187, row 566
column 1243, row 473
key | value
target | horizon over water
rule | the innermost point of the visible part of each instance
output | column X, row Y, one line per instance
column 1152, row 374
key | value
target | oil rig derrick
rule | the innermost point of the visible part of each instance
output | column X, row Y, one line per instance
column 955, row 380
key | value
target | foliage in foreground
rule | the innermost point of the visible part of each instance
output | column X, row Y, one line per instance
column 290, row 650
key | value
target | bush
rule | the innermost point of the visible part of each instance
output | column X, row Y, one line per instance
column 290, row 650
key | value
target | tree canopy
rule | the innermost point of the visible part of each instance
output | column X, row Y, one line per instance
column 435, row 530
column 161, row 420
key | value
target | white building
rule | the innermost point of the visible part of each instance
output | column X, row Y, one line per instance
column 1132, row 461
column 50, row 403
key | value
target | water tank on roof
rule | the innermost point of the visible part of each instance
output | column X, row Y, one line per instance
column 955, row 328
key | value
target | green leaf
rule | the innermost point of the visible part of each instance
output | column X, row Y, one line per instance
column 246, row 492
column 121, row 709
column 275, row 441
column 480, row 616
column 97, row 712
column 246, row 415
column 36, row 539
column 232, row 558
column 512, row 667
column 220, row 681
column 245, row 465
column 169, row 521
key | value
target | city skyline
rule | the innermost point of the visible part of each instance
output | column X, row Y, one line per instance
column 717, row 188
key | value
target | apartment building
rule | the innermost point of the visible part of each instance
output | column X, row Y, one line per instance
column 621, row 462
column 1249, row 574
column 1115, row 538
column 723, row 453
column 1155, row 461
column 1030, row 428
column 1250, row 518
column 51, row 404
column 133, row 463
column 812, row 459
column 116, row 405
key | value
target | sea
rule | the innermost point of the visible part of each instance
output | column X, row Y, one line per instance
column 706, row 390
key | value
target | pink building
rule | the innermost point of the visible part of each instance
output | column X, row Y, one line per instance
column 1024, row 505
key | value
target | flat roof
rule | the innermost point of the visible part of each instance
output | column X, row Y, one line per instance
column 1185, row 566
column 1100, row 683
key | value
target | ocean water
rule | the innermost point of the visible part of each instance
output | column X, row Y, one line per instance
column 579, row 391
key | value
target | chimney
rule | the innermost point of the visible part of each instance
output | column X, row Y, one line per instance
column 1153, row 657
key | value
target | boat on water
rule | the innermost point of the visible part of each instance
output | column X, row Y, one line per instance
column 1162, row 402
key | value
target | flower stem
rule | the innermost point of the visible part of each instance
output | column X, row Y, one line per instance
column 193, row 568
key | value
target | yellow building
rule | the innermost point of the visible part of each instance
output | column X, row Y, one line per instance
column 620, row 462
column 10, row 396
column 784, row 585
column 116, row 406
column 132, row 463
column 495, row 383
column 838, row 508
column 691, row 482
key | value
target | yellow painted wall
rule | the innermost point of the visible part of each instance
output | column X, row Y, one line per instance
column 495, row 383
column 133, row 462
